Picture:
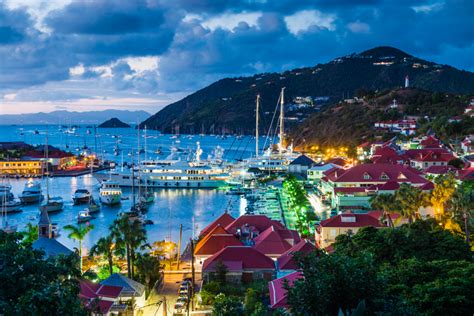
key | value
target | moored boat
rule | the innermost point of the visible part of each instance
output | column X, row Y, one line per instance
column 84, row 216
column 81, row 196
column 110, row 193
column 31, row 193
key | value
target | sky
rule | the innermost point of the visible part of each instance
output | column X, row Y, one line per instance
column 102, row 54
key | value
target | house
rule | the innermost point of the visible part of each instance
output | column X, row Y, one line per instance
column 277, row 291
column 286, row 263
column 101, row 299
column 216, row 240
column 315, row 173
column 273, row 241
column 301, row 165
column 353, row 187
column 406, row 127
column 425, row 158
column 249, row 226
column 430, row 142
column 467, row 145
column 329, row 229
column 244, row 264
column 435, row 171
column 388, row 154
column 131, row 290
column 46, row 239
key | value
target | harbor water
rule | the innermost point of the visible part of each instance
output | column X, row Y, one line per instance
column 193, row 208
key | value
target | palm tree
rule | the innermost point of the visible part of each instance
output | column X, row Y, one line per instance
column 129, row 235
column 31, row 233
column 104, row 247
column 462, row 208
column 444, row 187
column 410, row 199
column 78, row 233
column 148, row 269
column 385, row 202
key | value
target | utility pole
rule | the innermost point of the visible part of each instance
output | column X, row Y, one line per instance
column 192, row 272
column 256, row 125
column 179, row 244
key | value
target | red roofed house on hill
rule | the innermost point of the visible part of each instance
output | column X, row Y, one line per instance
column 277, row 291
column 286, row 262
column 101, row 299
column 425, row 158
column 250, row 226
column 244, row 264
column 274, row 241
column 430, row 142
column 216, row 240
column 352, row 188
column 329, row 229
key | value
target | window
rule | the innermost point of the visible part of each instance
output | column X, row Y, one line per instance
column 367, row 176
column 384, row 176
column 332, row 232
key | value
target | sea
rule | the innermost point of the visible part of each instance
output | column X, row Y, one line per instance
column 194, row 209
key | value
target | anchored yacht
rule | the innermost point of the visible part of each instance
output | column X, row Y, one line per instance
column 110, row 193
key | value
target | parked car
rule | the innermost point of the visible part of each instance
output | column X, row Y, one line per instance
column 179, row 306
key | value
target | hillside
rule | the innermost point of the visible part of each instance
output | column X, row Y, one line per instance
column 69, row 117
column 349, row 124
column 228, row 104
column 113, row 123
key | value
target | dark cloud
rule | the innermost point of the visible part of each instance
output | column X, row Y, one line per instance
column 96, row 33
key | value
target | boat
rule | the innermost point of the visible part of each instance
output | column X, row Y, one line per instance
column 53, row 204
column 84, row 216
column 93, row 206
column 81, row 196
column 5, row 192
column 173, row 172
column 12, row 206
column 31, row 193
column 110, row 193
column 5, row 225
column 146, row 196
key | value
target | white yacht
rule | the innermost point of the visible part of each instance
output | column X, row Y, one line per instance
column 172, row 173
column 81, row 196
column 31, row 193
column 5, row 192
column 110, row 193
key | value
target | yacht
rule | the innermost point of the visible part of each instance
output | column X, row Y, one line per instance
column 81, row 196
column 110, row 192
column 31, row 193
column 5, row 192
column 53, row 204
column 172, row 173
column 12, row 206
column 84, row 216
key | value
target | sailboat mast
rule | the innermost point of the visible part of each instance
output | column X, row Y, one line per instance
column 256, row 124
column 47, row 166
column 282, row 116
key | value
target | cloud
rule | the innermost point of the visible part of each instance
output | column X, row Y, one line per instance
column 64, row 51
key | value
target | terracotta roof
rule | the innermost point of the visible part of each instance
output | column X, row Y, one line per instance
column 91, row 295
column 286, row 260
column 239, row 258
column 109, row 291
column 466, row 174
column 260, row 222
column 431, row 156
column 351, row 220
column 223, row 220
column 440, row 169
column 337, row 161
column 277, row 290
column 377, row 173
column 430, row 142
column 427, row 186
column 270, row 242
column 214, row 243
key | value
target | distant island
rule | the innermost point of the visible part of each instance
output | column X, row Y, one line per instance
column 112, row 123
column 72, row 118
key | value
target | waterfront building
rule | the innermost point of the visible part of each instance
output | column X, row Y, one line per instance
column 214, row 241
column 22, row 167
column 300, row 165
column 315, row 173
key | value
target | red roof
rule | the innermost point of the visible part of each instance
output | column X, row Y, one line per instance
column 351, row 220
column 215, row 243
column 378, row 215
column 432, row 156
column 223, row 220
column 260, row 222
column 466, row 174
column 286, row 260
column 440, row 169
column 430, row 142
column 337, row 161
column 377, row 173
column 239, row 258
column 270, row 242
column 109, row 291
column 277, row 290
column 91, row 295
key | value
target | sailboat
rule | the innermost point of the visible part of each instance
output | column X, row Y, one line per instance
column 146, row 196
column 5, row 225
column 52, row 204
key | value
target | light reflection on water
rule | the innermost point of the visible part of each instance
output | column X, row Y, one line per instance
column 182, row 204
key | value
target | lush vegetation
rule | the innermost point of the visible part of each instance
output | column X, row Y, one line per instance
column 298, row 203
column 416, row 269
column 34, row 285
column 229, row 104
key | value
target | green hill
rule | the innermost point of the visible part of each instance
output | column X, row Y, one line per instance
column 228, row 104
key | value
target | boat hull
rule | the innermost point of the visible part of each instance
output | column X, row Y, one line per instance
column 52, row 208
column 110, row 199
column 125, row 181
column 31, row 199
column 81, row 200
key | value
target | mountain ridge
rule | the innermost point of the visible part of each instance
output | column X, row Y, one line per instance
column 227, row 105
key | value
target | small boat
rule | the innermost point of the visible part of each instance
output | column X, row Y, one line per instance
column 110, row 193
column 147, row 196
column 31, row 193
column 52, row 204
column 84, row 216
column 36, row 132
column 93, row 206
column 12, row 206
column 81, row 196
